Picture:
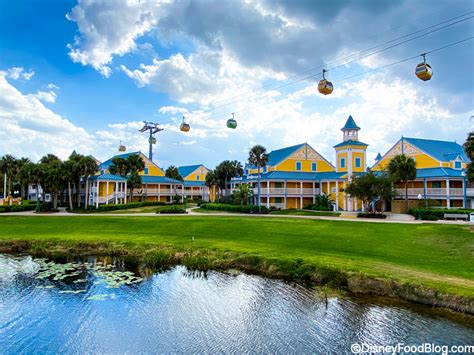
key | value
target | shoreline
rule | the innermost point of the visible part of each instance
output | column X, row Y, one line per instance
column 297, row 271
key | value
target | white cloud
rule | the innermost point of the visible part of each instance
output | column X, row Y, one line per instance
column 30, row 129
column 16, row 73
column 46, row 96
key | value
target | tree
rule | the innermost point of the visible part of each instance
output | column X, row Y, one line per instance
column 134, row 181
column 402, row 168
column 370, row 188
column 69, row 176
column 226, row 171
column 211, row 179
column 36, row 175
column 52, row 177
column 172, row 172
column 242, row 193
column 23, row 176
column 87, row 166
column 8, row 168
column 135, row 164
column 469, row 149
column 258, row 157
column 119, row 166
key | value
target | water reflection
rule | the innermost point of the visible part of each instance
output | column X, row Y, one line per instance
column 183, row 311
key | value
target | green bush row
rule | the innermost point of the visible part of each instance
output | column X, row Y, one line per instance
column 112, row 207
column 171, row 210
column 17, row 208
column 435, row 214
column 233, row 208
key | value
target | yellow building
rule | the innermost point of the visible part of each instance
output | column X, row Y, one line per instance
column 194, row 177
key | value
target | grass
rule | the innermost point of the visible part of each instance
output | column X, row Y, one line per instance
column 438, row 257
column 306, row 213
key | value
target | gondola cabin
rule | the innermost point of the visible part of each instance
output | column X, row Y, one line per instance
column 184, row 127
column 325, row 87
column 423, row 71
column 231, row 123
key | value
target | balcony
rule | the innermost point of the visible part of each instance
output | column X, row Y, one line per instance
column 470, row 192
column 169, row 192
column 273, row 191
column 430, row 192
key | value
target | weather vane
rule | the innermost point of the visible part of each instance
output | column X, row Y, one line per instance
column 152, row 128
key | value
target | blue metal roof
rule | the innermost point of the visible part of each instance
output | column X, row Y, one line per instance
column 194, row 183
column 296, row 175
column 351, row 143
column 438, row 172
column 441, row 150
column 148, row 179
column 106, row 164
column 378, row 157
column 108, row 177
column 276, row 156
column 350, row 124
column 186, row 170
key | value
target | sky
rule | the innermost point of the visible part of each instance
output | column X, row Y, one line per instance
column 84, row 74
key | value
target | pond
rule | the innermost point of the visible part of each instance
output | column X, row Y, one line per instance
column 99, row 305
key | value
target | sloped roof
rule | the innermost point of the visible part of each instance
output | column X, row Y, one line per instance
column 350, row 124
column 441, row 150
column 108, row 177
column 194, row 183
column 276, row 156
column 296, row 175
column 188, row 169
column 106, row 164
column 378, row 157
column 351, row 142
column 438, row 172
column 148, row 179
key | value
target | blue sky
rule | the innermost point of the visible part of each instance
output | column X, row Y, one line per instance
column 83, row 75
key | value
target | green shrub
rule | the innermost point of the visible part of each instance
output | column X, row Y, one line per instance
column 371, row 215
column 428, row 214
column 171, row 210
column 233, row 208
column 125, row 206
column 17, row 208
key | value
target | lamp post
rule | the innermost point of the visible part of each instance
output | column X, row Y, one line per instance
column 419, row 208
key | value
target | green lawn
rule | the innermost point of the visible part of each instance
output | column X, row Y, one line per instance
column 306, row 213
column 432, row 255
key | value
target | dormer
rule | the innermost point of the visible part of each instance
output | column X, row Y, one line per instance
column 350, row 130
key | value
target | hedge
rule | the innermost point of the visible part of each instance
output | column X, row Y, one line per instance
column 17, row 208
column 435, row 214
column 371, row 215
column 234, row 208
column 171, row 210
column 112, row 207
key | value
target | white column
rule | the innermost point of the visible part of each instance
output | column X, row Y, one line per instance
column 97, row 183
column 337, row 195
column 448, row 200
column 268, row 194
column 284, row 193
column 125, row 193
column 106, row 192
column 159, row 192
column 301, row 195
column 314, row 192
column 115, row 193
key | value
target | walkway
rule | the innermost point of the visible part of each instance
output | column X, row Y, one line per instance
column 346, row 216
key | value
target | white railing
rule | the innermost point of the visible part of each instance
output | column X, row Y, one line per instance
column 470, row 191
column 289, row 191
column 168, row 192
column 400, row 192
column 278, row 205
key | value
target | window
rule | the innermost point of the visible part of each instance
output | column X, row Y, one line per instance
column 264, row 169
column 146, row 170
column 298, row 166
column 357, row 163
column 343, row 162
column 198, row 177
column 313, row 166
column 436, row 184
column 278, row 200
column 457, row 165
column 278, row 185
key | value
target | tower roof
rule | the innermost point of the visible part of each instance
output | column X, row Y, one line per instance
column 378, row 157
column 350, row 124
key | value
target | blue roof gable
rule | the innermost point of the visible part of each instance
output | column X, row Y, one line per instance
column 186, row 170
column 378, row 157
column 276, row 156
column 106, row 164
column 351, row 143
column 350, row 124
column 441, row 150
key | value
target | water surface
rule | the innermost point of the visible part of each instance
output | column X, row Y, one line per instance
column 103, row 307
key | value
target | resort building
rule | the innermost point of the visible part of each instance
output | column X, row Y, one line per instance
column 295, row 175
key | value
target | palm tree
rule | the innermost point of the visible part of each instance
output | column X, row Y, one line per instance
column 76, row 172
column 119, row 166
column 402, row 168
column 135, row 164
column 258, row 157
column 211, row 179
column 172, row 172
column 8, row 169
column 88, row 167
column 69, row 177
column 53, row 176
column 36, row 175
column 226, row 171
column 469, row 148
column 242, row 193
column 24, row 168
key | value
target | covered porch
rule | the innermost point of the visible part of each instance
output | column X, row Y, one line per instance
column 105, row 189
